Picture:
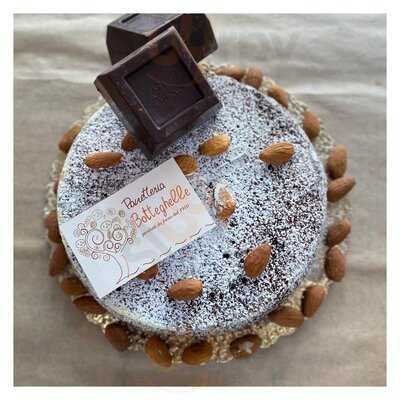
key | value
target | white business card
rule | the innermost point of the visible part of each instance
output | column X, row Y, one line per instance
column 136, row 227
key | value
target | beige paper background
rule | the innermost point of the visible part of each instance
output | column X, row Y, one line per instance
column 335, row 63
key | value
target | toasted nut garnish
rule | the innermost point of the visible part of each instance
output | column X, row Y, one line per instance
column 128, row 142
column 186, row 163
column 117, row 335
column 216, row 145
column 311, row 125
column 224, row 202
column 68, row 138
column 337, row 162
column 149, row 273
column 256, row 261
column 104, row 159
column 231, row 71
column 158, row 351
column 287, row 316
column 186, row 289
column 280, row 95
column 253, row 77
column 278, row 153
column 338, row 188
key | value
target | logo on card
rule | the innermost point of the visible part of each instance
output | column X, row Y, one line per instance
column 104, row 236
column 136, row 227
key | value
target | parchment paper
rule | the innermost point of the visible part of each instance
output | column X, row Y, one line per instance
column 337, row 65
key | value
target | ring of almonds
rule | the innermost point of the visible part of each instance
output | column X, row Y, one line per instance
column 299, row 307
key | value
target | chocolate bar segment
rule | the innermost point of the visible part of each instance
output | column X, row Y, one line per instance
column 131, row 31
column 158, row 92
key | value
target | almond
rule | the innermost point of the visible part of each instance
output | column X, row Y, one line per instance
column 68, row 138
column 335, row 264
column 117, row 335
column 104, row 159
column 197, row 353
column 186, row 163
column 89, row 305
column 337, row 232
column 224, row 202
column 289, row 317
column 280, row 95
column 58, row 260
column 277, row 154
column 51, row 222
column 72, row 286
column 128, row 142
column 313, row 297
column 256, row 261
column 311, row 125
column 253, row 77
column 245, row 346
column 216, row 145
column 337, row 162
column 50, row 219
column 150, row 273
column 231, row 71
column 157, row 350
column 339, row 187
column 186, row 289
column 55, row 185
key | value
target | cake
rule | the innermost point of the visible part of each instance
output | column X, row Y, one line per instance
column 279, row 202
column 284, row 206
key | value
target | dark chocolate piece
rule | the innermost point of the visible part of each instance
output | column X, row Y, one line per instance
column 131, row 31
column 158, row 92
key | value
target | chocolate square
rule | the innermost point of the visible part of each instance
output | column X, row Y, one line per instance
column 131, row 31
column 158, row 92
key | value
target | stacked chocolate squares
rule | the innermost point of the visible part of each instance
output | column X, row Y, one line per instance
column 154, row 85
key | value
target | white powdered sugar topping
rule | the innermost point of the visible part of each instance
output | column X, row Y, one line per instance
column 284, row 206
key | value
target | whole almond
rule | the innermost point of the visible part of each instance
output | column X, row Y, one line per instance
column 58, row 260
column 89, row 305
column 72, row 286
column 197, row 353
column 231, row 71
column 337, row 162
column 157, row 350
column 311, row 125
column 253, row 77
column 55, row 185
column 245, row 346
column 128, row 142
column 150, row 273
column 50, row 219
column 277, row 153
column 289, row 317
column 104, row 159
column 51, row 222
column 216, row 145
column 256, row 261
column 337, row 232
column 339, row 187
column 186, row 163
column 186, row 289
column 313, row 297
column 224, row 202
column 280, row 95
column 117, row 335
column 335, row 264
column 68, row 138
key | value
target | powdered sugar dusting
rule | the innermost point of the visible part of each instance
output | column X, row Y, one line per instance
column 284, row 206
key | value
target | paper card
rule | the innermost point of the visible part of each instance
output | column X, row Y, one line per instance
column 136, row 227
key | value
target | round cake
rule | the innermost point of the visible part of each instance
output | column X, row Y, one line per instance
column 283, row 206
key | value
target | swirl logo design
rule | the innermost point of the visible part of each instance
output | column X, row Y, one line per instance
column 104, row 235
